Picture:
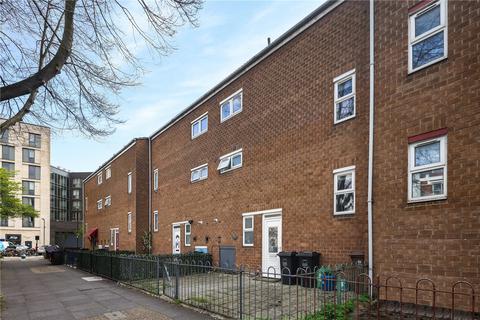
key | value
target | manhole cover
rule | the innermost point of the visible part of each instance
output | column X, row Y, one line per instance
column 115, row 315
column 89, row 279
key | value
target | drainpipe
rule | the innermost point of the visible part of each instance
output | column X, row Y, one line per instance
column 370, row 142
column 150, row 194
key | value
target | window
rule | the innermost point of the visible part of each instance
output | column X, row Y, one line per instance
column 76, row 194
column 155, row 180
column 29, row 201
column 108, row 173
column 76, row 205
column 427, row 36
column 77, row 183
column 129, row 182
column 231, row 106
column 199, row 173
column 8, row 153
column 155, row 221
column 248, row 231
column 427, row 178
column 34, row 172
column 3, row 222
column 99, row 178
column 199, row 125
column 28, row 222
column 10, row 166
column 344, row 91
column 4, row 136
column 99, row 204
column 28, row 155
column 344, row 190
column 230, row 161
column 34, row 140
column 108, row 201
column 28, row 188
column 129, row 222
column 188, row 232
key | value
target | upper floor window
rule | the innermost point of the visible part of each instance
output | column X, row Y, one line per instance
column 33, row 172
column 231, row 106
column 34, row 140
column 76, row 194
column 199, row 173
column 76, row 205
column 248, row 231
column 344, row 90
column 3, row 222
column 8, row 153
column 28, row 188
column 200, row 125
column 344, row 190
column 427, row 36
column 230, row 161
column 99, row 204
column 29, row 201
column 77, row 183
column 99, row 178
column 28, row 222
column 155, row 180
column 129, row 222
column 4, row 136
column 155, row 221
column 28, row 155
column 108, row 172
column 427, row 164
column 108, row 201
column 188, row 233
column 129, row 182
column 10, row 166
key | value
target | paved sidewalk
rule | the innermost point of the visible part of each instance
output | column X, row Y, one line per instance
column 33, row 289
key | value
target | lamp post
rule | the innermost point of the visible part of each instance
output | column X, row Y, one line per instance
column 43, row 219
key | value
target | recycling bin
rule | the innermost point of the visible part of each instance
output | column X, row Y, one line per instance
column 307, row 262
column 288, row 266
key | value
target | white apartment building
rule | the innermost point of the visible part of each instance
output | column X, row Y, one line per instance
column 25, row 149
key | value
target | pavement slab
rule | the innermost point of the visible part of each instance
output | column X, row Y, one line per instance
column 35, row 290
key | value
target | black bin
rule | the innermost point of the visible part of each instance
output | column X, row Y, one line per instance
column 307, row 262
column 57, row 257
column 288, row 266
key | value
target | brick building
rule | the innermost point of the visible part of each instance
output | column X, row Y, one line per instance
column 276, row 156
column 116, row 200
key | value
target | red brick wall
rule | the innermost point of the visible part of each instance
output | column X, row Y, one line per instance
column 134, row 160
column 438, row 239
column 290, row 148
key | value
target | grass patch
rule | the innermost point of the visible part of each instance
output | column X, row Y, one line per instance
column 201, row 300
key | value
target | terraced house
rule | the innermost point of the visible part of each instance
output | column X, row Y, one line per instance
column 354, row 134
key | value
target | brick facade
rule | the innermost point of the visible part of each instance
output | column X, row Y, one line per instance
column 132, row 159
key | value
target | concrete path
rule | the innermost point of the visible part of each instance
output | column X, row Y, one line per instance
column 33, row 289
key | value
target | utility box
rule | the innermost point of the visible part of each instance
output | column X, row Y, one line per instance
column 288, row 266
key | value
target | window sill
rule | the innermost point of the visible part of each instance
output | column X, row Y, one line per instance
column 228, row 170
column 426, row 200
column 335, row 122
column 248, row 245
column 343, row 214
column 431, row 63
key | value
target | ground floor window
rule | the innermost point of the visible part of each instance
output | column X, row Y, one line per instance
column 248, row 231
column 344, row 190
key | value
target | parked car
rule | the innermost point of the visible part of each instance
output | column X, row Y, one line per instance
column 41, row 250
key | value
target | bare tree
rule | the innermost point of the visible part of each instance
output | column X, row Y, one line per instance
column 63, row 63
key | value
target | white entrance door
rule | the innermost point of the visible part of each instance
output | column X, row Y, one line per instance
column 271, row 245
column 114, row 239
column 176, row 239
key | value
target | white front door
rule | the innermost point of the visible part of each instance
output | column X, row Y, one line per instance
column 271, row 245
column 176, row 239
column 114, row 239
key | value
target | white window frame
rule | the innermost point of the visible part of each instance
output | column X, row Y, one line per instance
column 129, row 183
column 108, row 173
column 116, row 233
column 188, row 244
column 100, row 178
column 129, row 222
column 155, row 180
column 199, row 120
column 412, row 39
column 438, row 165
column 340, row 172
column 199, row 170
column 230, row 157
column 222, row 119
column 155, row 221
column 338, row 80
column 99, row 204
column 108, row 201
column 244, row 229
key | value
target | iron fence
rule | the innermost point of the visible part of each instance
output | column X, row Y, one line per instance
column 342, row 292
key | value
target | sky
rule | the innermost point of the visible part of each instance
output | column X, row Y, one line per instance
column 229, row 33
